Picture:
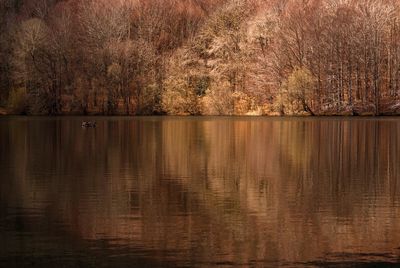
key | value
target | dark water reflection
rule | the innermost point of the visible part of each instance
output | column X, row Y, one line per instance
column 199, row 192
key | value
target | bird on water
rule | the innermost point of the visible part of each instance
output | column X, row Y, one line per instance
column 88, row 124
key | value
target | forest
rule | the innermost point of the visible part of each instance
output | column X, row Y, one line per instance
column 200, row 57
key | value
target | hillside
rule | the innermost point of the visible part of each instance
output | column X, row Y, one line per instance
column 200, row 57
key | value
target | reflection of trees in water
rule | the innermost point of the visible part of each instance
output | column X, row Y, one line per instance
column 329, row 184
column 215, row 189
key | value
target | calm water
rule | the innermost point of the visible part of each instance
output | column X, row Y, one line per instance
column 199, row 192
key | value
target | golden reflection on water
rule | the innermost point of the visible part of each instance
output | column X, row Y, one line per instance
column 211, row 190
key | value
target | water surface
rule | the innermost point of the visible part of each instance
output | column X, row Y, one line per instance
column 199, row 192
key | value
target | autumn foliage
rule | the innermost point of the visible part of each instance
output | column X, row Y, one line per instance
column 191, row 57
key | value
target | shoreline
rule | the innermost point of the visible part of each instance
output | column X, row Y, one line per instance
column 189, row 116
column 5, row 113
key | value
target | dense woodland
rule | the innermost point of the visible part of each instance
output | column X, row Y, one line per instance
column 192, row 57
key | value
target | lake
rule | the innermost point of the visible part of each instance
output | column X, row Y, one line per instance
column 199, row 192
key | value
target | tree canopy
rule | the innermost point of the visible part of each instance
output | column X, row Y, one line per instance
column 200, row 56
